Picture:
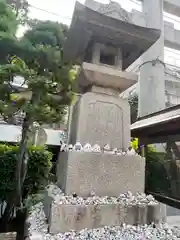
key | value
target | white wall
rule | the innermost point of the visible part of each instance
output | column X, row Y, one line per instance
column 11, row 133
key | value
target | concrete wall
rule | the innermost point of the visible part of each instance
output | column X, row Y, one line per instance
column 171, row 37
column 171, row 6
column 106, row 175
column 11, row 133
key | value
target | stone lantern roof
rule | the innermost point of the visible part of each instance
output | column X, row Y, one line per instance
column 89, row 26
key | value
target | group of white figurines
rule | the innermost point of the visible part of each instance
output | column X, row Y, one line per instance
column 78, row 147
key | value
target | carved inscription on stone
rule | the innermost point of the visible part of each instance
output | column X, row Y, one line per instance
column 104, row 123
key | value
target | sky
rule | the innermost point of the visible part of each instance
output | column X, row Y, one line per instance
column 63, row 9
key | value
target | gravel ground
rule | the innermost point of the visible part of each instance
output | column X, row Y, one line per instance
column 124, row 199
column 38, row 231
column 39, row 228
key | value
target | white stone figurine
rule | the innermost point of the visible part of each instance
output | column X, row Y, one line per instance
column 96, row 148
column 124, row 153
column 87, row 148
column 78, row 147
column 119, row 152
column 107, row 149
column 70, row 147
column 63, row 147
column 131, row 152
column 115, row 151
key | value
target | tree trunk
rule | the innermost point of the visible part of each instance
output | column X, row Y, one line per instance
column 7, row 213
column 21, row 169
column 21, row 157
column 16, row 197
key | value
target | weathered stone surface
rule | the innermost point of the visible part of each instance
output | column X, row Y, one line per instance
column 88, row 26
column 101, row 119
column 105, row 76
column 8, row 236
column 104, row 174
column 64, row 218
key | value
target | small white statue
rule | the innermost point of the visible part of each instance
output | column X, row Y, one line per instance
column 119, row 152
column 107, row 149
column 70, row 147
column 63, row 147
column 124, row 153
column 96, row 148
column 115, row 151
column 131, row 152
column 78, row 147
column 87, row 148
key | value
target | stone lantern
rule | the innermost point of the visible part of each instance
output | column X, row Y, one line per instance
column 104, row 47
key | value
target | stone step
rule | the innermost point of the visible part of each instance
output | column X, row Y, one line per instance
column 8, row 236
column 65, row 217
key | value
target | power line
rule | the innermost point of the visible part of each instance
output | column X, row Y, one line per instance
column 49, row 12
column 138, row 3
column 69, row 18
column 168, row 17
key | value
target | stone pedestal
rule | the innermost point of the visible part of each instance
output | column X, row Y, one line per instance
column 101, row 116
column 65, row 218
column 104, row 174
column 101, row 119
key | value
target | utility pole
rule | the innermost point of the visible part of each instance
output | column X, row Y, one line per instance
column 152, row 78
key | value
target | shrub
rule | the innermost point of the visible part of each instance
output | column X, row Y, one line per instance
column 156, row 175
column 135, row 144
column 38, row 172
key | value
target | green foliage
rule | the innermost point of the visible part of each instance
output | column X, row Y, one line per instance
column 37, row 58
column 40, row 62
column 37, row 173
column 46, row 33
column 156, row 176
column 157, row 179
column 8, row 28
column 8, row 21
column 135, row 145
column 20, row 9
column 49, row 88
column 133, row 101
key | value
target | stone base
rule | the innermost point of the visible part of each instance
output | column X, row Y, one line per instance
column 64, row 218
column 104, row 174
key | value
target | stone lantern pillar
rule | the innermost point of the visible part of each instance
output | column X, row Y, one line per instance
column 103, row 47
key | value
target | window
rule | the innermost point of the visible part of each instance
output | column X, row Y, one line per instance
column 108, row 59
